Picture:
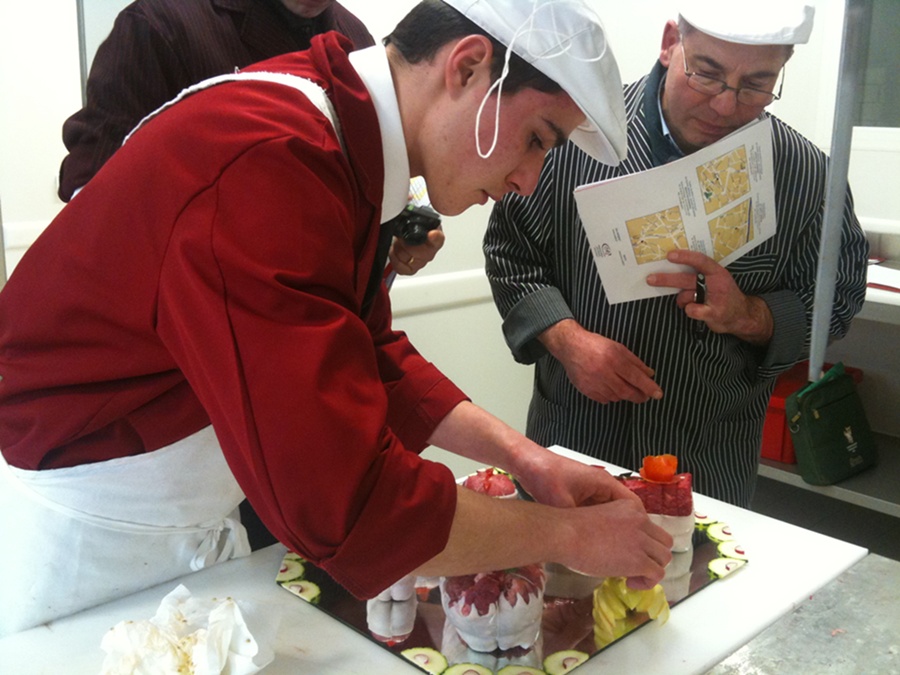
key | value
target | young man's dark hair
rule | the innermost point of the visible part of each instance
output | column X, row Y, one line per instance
column 447, row 24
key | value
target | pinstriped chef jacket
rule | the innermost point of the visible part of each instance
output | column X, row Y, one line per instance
column 716, row 387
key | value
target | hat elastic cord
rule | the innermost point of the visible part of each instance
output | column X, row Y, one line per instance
column 562, row 48
column 498, row 85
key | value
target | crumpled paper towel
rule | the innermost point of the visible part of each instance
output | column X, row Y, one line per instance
column 191, row 636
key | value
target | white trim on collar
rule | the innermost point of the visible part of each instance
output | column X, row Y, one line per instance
column 372, row 66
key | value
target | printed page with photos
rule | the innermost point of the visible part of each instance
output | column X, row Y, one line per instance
column 719, row 200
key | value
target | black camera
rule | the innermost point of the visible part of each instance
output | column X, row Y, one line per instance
column 414, row 223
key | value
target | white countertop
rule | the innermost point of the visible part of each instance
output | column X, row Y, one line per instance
column 787, row 565
column 881, row 305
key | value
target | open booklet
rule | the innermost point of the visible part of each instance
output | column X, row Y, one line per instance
column 719, row 200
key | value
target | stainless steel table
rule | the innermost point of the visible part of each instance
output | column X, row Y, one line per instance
column 850, row 626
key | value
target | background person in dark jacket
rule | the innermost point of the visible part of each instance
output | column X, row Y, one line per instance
column 158, row 47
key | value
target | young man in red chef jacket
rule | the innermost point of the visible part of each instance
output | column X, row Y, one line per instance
column 234, row 339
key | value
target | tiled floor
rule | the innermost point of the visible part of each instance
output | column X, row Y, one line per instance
column 875, row 531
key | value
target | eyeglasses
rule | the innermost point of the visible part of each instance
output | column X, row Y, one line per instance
column 712, row 86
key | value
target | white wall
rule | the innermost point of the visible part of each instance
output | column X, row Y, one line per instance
column 40, row 81
column 446, row 309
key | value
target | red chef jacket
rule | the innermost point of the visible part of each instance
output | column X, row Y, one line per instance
column 214, row 270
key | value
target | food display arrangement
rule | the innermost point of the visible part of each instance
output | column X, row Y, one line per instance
column 537, row 619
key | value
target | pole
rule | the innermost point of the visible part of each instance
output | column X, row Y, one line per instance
column 854, row 49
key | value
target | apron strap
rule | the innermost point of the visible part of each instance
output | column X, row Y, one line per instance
column 216, row 548
column 308, row 88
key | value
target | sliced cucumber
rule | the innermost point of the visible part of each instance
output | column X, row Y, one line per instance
column 732, row 549
column 468, row 669
column 702, row 520
column 290, row 569
column 426, row 658
column 563, row 661
column 722, row 567
column 720, row 532
column 304, row 589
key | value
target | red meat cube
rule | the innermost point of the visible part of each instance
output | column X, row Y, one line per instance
column 673, row 499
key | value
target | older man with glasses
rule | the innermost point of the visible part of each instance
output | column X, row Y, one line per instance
column 744, row 94
column 623, row 381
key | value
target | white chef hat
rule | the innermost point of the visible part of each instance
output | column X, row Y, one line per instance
column 761, row 22
column 564, row 40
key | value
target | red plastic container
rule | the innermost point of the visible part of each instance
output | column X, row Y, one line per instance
column 777, row 444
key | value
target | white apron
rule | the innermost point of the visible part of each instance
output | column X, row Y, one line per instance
column 77, row 537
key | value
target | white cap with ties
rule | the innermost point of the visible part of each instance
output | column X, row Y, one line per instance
column 566, row 42
column 762, row 22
